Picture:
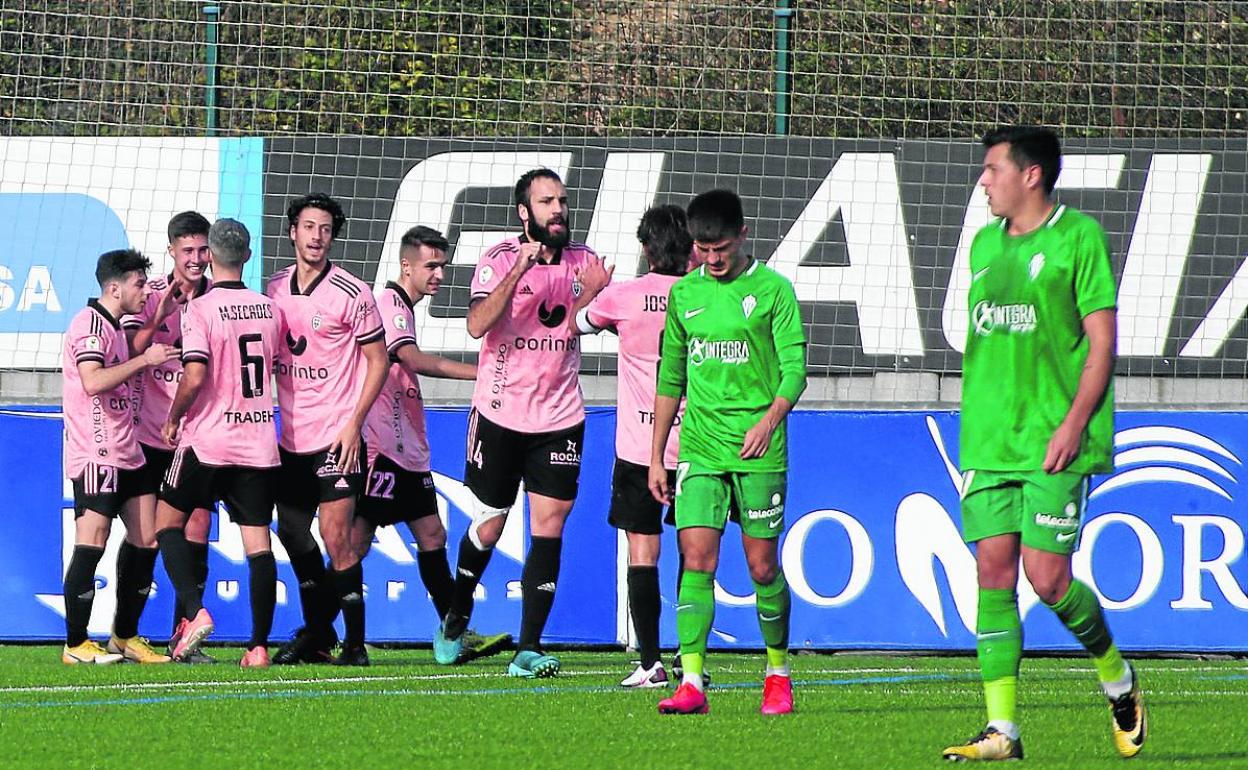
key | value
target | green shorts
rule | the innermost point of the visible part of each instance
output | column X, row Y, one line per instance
column 705, row 497
column 1046, row 509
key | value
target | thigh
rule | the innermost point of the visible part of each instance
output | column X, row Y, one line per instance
column 992, row 505
column 552, row 462
column 1053, row 506
column 495, row 462
column 759, row 501
column 633, row 508
column 703, row 497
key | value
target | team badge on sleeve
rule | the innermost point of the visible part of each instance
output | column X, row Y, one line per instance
column 91, row 343
column 400, row 322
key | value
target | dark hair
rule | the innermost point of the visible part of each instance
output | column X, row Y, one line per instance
column 114, row 265
column 665, row 235
column 187, row 223
column 526, row 179
column 424, row 236
column 715, row 215
column 1031, row 146
column 316, row 201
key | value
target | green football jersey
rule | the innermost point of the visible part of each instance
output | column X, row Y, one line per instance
column 1026, row 346
column 731, row 347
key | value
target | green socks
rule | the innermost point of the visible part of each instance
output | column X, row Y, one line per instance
column 999, row 645
column 1080, row 612
column 695, row 611
column 772, row 603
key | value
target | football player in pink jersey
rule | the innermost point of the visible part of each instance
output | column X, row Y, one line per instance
column 636, row 311
column 161, row 322
column 104, row 461
column 399, row 486
column 528, row 418
column 329, row 373
column 227, row 446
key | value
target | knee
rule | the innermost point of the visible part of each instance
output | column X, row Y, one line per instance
column 764, row 572
column 701, row 559
column 1050, row 588
column 997, row 575
column 431, row 541
column 296, row 539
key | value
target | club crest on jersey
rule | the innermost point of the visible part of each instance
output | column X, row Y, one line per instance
column 486, row 274
column 400, row 322
column 316, row 322
column 1037, row 264
column 577, row 287
column 91, row 343
column 748, row 304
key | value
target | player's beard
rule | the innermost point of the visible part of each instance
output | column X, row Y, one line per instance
column 545, row 237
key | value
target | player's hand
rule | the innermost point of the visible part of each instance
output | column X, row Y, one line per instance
column 594, row 276
column 657, row 480
column 168, row 301
column 529, row 253
column 347, row 448
column 1063, row 448
column 158, row 353
column 757, row 439
column 171, row 431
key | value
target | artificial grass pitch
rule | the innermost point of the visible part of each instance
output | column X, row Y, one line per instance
column 853, row 712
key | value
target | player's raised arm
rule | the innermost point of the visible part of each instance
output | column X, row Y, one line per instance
column 98, row 378
column 485, row 312
column 594, row 277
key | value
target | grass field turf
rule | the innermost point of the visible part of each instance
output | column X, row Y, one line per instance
column 854, row 712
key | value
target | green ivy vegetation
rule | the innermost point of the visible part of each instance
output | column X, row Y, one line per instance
column 528, row 68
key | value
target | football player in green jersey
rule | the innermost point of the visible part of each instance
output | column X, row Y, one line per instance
column 734, row 346
column 1037, row 418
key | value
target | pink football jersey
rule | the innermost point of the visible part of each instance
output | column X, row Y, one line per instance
column 99, row 429
column 237, row 333
column 527, row 370
column 396, row 423
column 637, row 311
column 153, row 388
column 320, row 369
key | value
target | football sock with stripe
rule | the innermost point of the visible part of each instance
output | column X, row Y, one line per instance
column 134, row 582
column 349, row 586
column 695, row 612
column 262, row 587
column 1081, row 613
column 79, row 592
column 644, row 604
column 181, row 573
column 435, row 573
column 999, row 647
column 469, row 568
column 537, row 589
column 772, row 602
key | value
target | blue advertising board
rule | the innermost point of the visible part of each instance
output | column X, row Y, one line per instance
column 872, row 547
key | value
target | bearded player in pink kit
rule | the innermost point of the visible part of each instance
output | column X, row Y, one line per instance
column 104, row 462
column 329, row 372
column 528, row 418
column 399, row 484
column 637, row 311
column 227, row 449
column 160, row 321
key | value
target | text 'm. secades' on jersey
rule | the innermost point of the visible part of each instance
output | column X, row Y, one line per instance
column 527, row 369
column 320, row 369
column 237, row 333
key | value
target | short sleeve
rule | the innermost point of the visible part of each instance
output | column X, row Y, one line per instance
column 194, row 335
column 607, row 309
column 366, row 320
column 399, row 323
column 493, row 268
column 85, row 344
column 1095, row 287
